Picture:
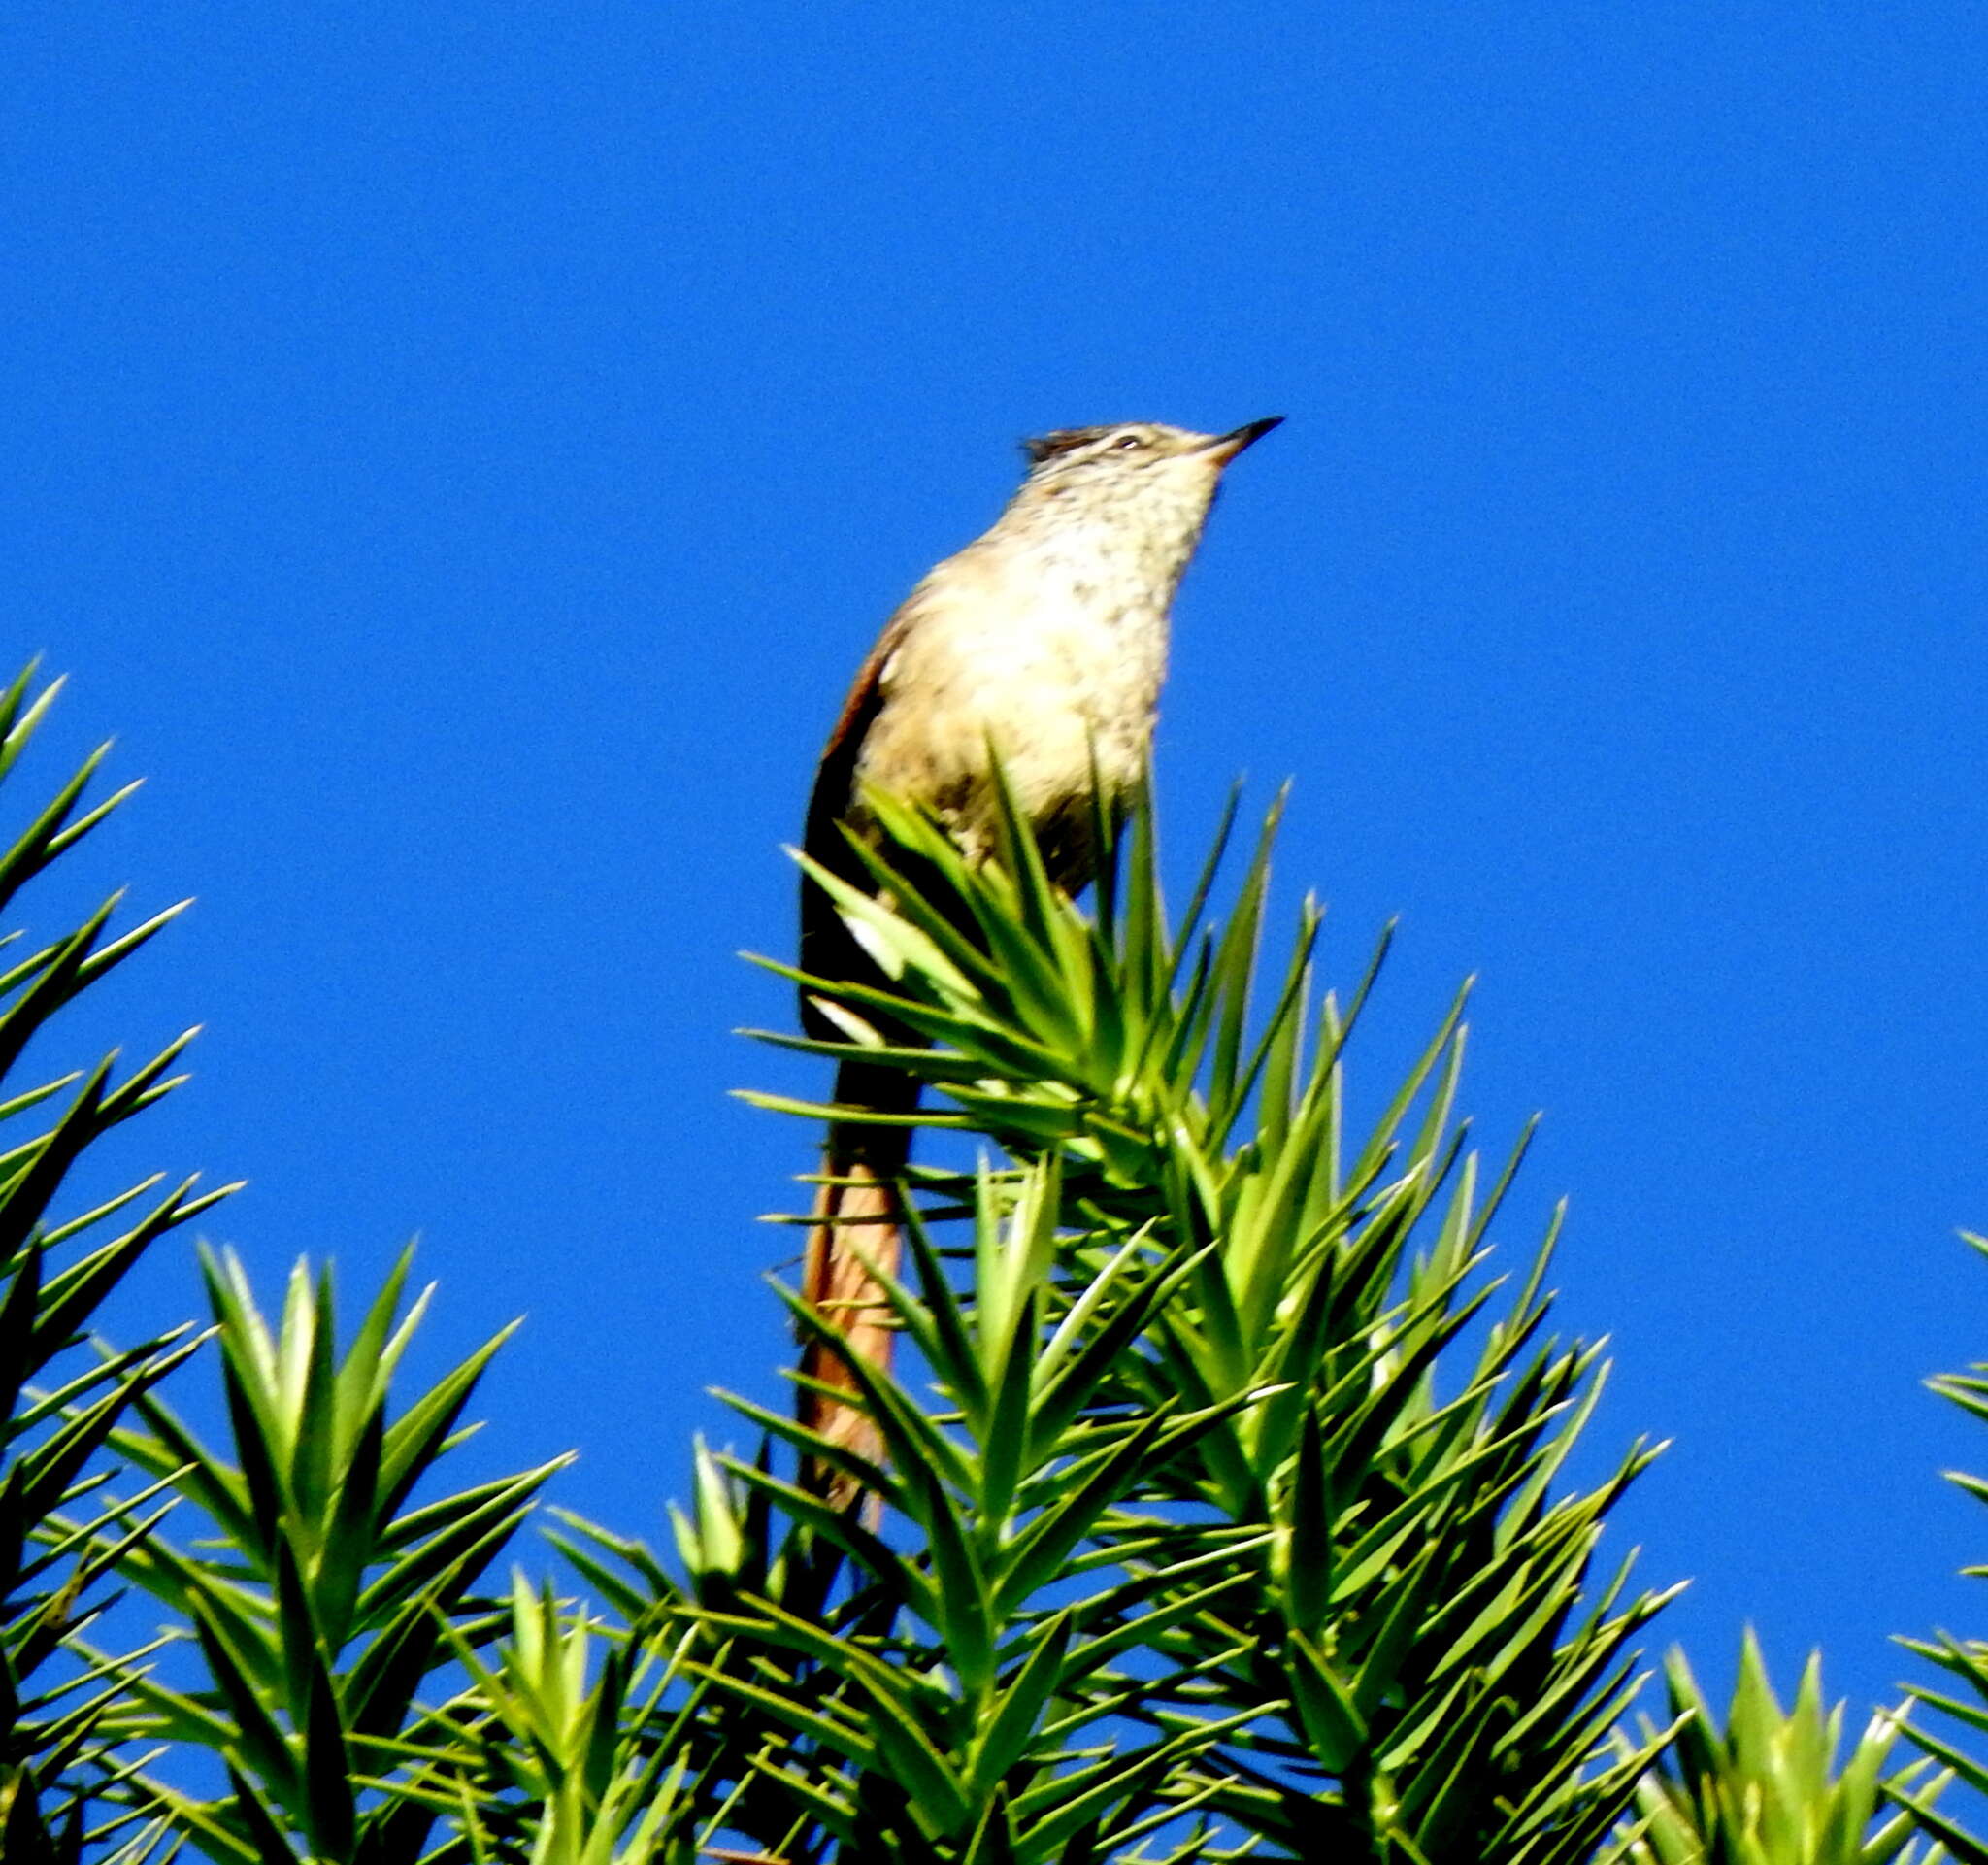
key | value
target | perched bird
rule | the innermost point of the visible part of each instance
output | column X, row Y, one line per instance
column 1045, row 638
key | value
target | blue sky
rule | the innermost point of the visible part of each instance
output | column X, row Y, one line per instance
column 463, row 452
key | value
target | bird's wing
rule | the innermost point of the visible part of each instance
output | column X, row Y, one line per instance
column 827, row 949
column 835, row 781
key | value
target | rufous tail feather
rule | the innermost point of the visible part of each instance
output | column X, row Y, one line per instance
column 857, row 1209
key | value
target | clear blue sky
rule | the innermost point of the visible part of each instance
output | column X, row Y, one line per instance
column 463, row 452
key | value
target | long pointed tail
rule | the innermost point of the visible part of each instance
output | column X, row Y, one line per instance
column 857, row 1210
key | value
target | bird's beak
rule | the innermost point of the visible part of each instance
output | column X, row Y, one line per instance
column 1225, row 449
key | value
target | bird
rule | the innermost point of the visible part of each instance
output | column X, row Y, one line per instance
column 1042, row 644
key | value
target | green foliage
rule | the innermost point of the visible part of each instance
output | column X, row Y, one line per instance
column 569, row 1762
column 1964, row 1660
column 326, row 1594
column 1223, row 1522
column 1225, row 1509
column 1768, row 1792
column 59, row 1533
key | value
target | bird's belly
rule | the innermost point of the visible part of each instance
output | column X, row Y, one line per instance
column 1054, row 702
column 1063, row 699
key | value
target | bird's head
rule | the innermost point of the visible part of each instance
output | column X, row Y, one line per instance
column 1136, row 446
column 1130, row 472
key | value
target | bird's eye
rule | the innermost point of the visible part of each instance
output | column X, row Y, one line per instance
column 1126, row 440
